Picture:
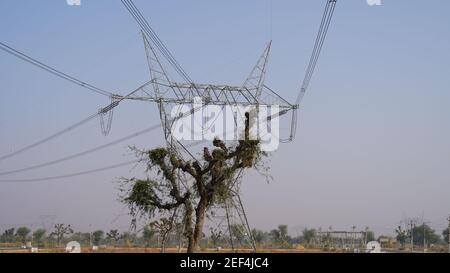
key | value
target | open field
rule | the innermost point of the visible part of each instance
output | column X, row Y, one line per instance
column 169, row 250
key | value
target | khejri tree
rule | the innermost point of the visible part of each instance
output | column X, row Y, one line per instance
column 189, row 187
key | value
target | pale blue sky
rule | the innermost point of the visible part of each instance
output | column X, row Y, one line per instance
column 374, row 128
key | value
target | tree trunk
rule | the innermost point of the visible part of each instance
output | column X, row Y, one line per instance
column 188, row 226
column 200, row 214
column 163, row 243
column 191, row 245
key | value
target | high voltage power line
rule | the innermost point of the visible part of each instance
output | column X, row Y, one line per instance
column 317, row 49
column 81, row 173
column 69, row 175
column 49, row 138
column 70, row 157
column 244, row 94
column 145, row 27
column 52, row 70
column 320, row 39
column 98, row 148
column 100, row 112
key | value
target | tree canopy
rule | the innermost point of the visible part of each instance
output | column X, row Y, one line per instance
column 167, row 193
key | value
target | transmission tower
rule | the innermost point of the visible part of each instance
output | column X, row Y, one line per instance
column 169, row 90
column 169, row 87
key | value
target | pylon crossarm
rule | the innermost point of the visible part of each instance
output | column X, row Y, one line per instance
column 211, row 95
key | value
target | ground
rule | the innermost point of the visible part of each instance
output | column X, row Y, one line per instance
column 169, row 250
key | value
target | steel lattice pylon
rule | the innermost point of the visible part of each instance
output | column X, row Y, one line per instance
column 167, row 92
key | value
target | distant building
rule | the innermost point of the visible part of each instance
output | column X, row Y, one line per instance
column 387, row 241
column 341, row 239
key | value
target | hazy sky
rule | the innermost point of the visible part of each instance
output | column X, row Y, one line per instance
column 373, row 140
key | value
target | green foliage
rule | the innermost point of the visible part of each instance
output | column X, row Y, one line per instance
column 308, row 235
column 430, row 235
column 60, row 231
column 402, row 235
column 8, row 236
column 148, row 235
column 283, row 231
column 370, row 236
column 280, row 236
column 140, row 198
column 81, row 237
column 275, row 235
column 39, row 235
column 238, row 232
column 113, row 236
column 163, row 227
column 97, row 237
column 258, row 236
column 128, row 239
column 418, row 233
column 216, row 235
column 213, row 178
column 445, row 235
column 158, row 155
column 22, row 233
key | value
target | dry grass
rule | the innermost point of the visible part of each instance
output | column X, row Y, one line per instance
column 169, row 250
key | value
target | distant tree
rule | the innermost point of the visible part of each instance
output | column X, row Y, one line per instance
column 163, row 227
column 369, row 235
column 148, row 234
column 402, row 235
column 128, row 239
column 22, row 233
column 238, row 233
column 284, row 233
column 275, row 235
column 327, row 240
column 309, row 235
column 113, row 236
column 430, row 235
column 445, row 235
column 8, row 236
column 258, row 236
column 280, row 235
column 178, row 229
column 97, row 237
column 216, row 235
column 60, row 231
column 81, row 237
column 39, row 235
